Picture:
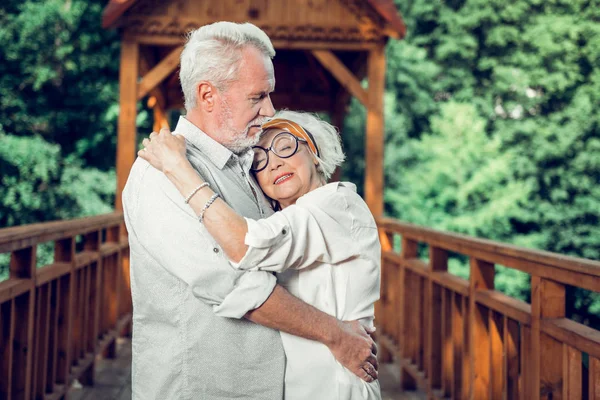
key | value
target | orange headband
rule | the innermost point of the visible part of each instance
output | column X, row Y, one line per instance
column 294, row 129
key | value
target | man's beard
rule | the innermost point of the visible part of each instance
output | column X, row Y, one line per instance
column 237, row 141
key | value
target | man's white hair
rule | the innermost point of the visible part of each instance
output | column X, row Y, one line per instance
column 326, row 137
column 213, row 54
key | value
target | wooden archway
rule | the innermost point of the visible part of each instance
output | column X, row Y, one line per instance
column 324, row 50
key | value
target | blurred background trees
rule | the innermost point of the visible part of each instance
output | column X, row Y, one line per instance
column 492, row 121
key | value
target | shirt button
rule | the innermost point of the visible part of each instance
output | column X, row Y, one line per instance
column 215, row 250
column 243, row 174
column 283, row 232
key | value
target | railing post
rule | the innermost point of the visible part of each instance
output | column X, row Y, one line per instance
column 547, row 301
column 111, row 277
column 22, row 266
column 410, row 249
column 481, row 278
column 438, row 262
column 64, row 251
column 382, row 307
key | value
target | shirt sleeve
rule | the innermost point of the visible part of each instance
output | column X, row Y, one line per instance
column 299, row 236
column 170, row 233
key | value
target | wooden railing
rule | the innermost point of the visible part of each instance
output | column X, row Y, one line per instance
column 57, row 318
column 461, row 339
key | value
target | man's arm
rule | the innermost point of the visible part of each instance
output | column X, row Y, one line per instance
column 173, row 236
column 349, row 342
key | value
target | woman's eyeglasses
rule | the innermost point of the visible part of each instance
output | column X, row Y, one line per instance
column 283, row 145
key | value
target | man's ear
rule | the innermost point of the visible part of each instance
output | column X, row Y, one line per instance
column 206, row 96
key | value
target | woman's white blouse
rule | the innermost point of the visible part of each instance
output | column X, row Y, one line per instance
column 326, row 251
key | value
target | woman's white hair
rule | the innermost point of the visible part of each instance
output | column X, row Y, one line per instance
column 213, row 54
column 326, row 137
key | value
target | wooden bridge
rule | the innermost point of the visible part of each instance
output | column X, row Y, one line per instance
column 439, row 335
column 63, row 324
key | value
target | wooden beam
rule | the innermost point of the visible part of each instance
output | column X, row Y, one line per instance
column 157, row 74
column 547, row 301
column 126, row 135
column 301, row 101
column 146, row 63
column 375, row 137
column 343, row 74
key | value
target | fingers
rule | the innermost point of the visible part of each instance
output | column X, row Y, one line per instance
column 366, row 377
column 154, row 134
column 146, row 142
column 374, row 348
column 372, row 360
column 370, row 371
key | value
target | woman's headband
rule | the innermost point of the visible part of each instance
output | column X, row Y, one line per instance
column 294, row 129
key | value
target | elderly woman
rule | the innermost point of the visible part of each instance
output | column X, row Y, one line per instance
column 322, row 242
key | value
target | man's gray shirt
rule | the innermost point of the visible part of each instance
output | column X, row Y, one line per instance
column 190, row 340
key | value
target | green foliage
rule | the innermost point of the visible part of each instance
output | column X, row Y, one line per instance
column 59, row 76
column 493, row 127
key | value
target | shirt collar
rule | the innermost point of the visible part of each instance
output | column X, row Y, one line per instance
column 218, row 154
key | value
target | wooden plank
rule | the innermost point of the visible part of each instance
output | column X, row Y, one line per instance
column 594, row 379
column 417, row 266
column 451, row 282
column 52, row 338
column 77, row 335
column 571, row 373
column 109, row 306
column 506, row 305
column 125, row 298
column 526, row 387
column 343, row 75
column 458, row 345
column 147, row 60
column 20, row 237
column 23, row 346
column 51, row 272
column 66, row 290
column 481, row 278
column 126, row 137
column 434, row 335
column 421, row 319
column 85, row 258
column 321, row 45
column 12, row 288
column 42, row 341
column 511, row 359
column 157, row 74
column 409, row 249
column 547, row 301
column 375, row 132
column 574, row 334
column 381, row 314
column 497, row 367
column 447, row 344
column 7, row 328
column 94, row 305
column 467, row 351
column 535, row 262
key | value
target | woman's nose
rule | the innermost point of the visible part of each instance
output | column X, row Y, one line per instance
column 275, row 162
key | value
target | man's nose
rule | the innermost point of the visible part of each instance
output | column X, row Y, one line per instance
column 267, row 110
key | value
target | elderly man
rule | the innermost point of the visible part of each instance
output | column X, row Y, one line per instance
column 202, row 329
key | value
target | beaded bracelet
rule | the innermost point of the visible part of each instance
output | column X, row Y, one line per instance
column 208, row 204
column 189, row 197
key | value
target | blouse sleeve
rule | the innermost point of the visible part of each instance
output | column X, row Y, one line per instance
column 300, row 236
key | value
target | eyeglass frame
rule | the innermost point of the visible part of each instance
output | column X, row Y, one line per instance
column 270, row 149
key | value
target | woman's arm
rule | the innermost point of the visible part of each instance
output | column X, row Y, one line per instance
column 166, row 152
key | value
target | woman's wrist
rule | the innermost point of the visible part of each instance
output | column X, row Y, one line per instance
column 184, row 177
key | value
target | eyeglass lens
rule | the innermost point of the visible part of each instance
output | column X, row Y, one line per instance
column 284, row 145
